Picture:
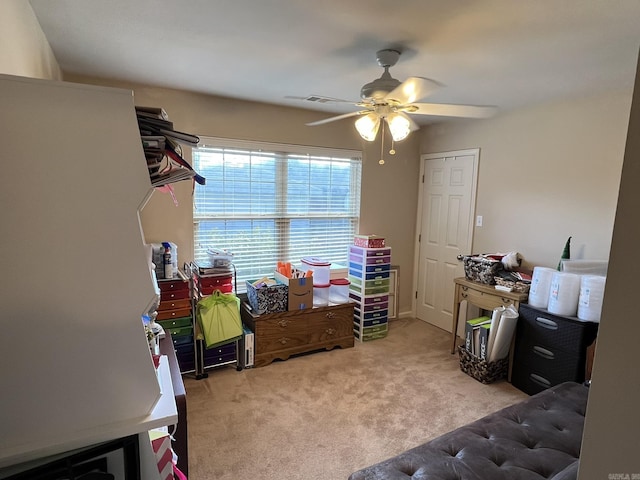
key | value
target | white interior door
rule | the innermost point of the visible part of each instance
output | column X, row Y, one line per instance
column 445, row 225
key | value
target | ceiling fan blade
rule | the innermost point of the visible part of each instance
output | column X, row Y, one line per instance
column 412, row 90
column 450, row 110
column 338, row 117
column 317, row 99
column 413, row 126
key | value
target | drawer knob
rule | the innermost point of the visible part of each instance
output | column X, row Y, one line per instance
column 330, row 314
column 464, row 295
column 283, row 340
column 283, row 322
column 330, row 331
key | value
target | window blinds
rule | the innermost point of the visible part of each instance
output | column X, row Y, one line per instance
column 270, row 202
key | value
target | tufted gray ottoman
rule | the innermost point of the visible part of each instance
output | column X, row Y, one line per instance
column 536, row 439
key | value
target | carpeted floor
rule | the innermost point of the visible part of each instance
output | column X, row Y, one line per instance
column 327, row 414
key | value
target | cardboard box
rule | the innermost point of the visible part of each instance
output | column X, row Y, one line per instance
column 469, row 333
column 300, row 291
column 268, row 298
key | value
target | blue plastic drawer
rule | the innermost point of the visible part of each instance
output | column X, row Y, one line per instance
column 354, row 266
column 370, row 315
column 370, row 275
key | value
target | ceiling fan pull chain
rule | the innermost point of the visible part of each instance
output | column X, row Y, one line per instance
column 381, row 161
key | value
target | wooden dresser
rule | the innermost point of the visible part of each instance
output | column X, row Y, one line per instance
column 280, row 335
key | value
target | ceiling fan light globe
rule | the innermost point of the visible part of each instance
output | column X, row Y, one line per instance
column 367, row 126
column 399, row 126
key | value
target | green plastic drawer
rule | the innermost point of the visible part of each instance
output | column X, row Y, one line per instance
column 181, row 331
column 175, row 322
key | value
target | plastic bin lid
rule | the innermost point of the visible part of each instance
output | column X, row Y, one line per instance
column 340, row 281
column 315, row 261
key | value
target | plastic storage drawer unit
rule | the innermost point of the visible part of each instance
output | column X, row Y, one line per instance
column 549, row 349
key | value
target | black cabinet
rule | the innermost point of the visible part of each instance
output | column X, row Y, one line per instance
column 549, row 349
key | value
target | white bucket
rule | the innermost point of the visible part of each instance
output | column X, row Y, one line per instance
column 591, row 296
column 321, row 269
column 564, row 293
column 320, row 295
column 339, row 290
column 540, row 286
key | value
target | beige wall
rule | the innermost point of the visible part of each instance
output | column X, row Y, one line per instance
column 610, row 442
column 546, row 173
column 24, row 50
column 389, row 192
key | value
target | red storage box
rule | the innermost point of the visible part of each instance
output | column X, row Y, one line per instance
column 368, row 241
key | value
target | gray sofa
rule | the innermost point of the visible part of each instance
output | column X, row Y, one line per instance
column 538, row 438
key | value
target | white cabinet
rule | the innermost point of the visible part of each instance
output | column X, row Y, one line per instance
column 76, row 364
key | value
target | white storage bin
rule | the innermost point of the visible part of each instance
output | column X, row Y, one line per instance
column 321, row 270
column 320, row 295
column 339, row 290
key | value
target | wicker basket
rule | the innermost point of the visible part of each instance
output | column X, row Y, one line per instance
column 480, row 269
column 520, row 287
column 481, row 370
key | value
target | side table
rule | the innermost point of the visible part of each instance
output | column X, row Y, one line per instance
column 482, row 296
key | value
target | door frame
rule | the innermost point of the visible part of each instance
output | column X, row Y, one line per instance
column 475, row 152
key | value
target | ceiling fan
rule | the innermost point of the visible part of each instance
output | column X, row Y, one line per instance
column 389, row 100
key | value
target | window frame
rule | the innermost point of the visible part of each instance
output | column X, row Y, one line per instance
column 282, row 220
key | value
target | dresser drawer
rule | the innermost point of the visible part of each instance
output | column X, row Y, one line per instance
column 553, row 363
column 533, row 378
column 175, row 322
column 211, row 359
column 181, row 338
column 371, row 272
column 173, row 286
column 186, row 358
column 373, row 307
column 555, row 332
column 220, row 350
column 378, row 281
column 168, row 314
column 372, row 322
column 369, row 252
column 368, row 269
column 329, row 325
column 358, row 315
column 280, row 333
column 485, row 301
column 170, row 295
column 221, row 354
column 175, row 304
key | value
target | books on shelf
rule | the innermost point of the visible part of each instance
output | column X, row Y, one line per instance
column 187, row 138
column 161, row 146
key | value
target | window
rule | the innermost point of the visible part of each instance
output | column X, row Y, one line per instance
column 270, row 202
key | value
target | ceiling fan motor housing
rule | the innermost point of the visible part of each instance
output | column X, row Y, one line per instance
column 377, row 89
